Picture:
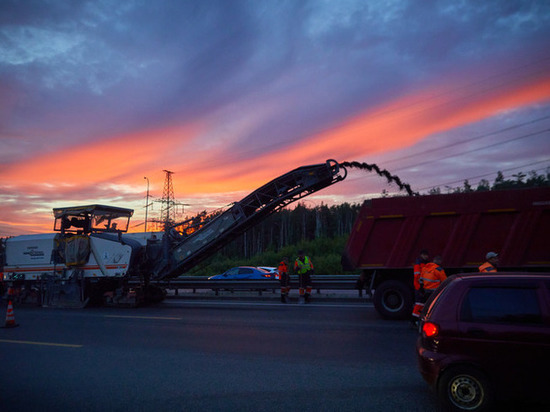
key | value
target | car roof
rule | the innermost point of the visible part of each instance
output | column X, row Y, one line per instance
column 494, row 278
column 464, row 280
column 248, row 267
column 502, row 275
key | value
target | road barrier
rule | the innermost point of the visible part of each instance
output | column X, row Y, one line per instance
column 319, row 282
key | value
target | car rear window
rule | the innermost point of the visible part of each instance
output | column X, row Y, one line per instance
column 431, row 303
column 501, row 305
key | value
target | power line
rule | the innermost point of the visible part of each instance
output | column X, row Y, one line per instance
column 475, row 150
column 478, row 87
column 506, row 129
column 483, row 81
column 489, row 174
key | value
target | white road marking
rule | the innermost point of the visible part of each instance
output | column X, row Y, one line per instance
column 26, row 342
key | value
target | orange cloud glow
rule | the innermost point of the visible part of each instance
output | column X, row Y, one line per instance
column 101, row 160
column 397, row 125
column 405, row 122
column 401, row 123
column 201, row 169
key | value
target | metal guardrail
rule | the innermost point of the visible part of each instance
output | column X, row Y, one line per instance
column 319, row 282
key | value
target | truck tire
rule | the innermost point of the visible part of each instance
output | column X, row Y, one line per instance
column 393, row 300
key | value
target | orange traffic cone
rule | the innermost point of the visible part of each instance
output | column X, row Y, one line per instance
column 10, row 317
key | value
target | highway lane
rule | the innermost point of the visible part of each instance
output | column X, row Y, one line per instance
column 210, row 356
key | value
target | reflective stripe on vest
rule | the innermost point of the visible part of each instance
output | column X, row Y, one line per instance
column 304, row 266
column 432, row 275
column 426, row 280
column 487, row 267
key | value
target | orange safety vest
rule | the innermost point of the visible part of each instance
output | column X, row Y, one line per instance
column 487, row 267
column 283, row 268
column 432, row 276
column 417, row 269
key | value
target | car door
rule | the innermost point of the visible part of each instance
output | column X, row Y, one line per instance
column 503, row 330
column 245, row 273
column 231, row 274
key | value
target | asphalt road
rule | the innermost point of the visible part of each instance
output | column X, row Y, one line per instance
column 210, row 356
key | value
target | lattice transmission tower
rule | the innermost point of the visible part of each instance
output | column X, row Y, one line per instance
column 168, row 209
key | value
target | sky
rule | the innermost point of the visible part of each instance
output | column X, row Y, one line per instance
column 98, row 98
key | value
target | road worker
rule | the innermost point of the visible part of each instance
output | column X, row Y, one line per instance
column 419, row 264
column 284, row 279
column 303, row 267
column 491, row 261
column 432, row 275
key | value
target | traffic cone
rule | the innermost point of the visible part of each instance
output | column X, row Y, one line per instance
column 10, row 317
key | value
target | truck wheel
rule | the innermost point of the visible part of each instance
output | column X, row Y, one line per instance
column 393, row 300
column 463, row 388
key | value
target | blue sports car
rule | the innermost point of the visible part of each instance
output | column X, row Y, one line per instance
column 244, row 273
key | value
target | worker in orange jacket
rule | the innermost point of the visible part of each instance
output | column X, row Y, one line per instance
column 432, row 276
column 421, row 261
column 490, row 263
column 284, row 279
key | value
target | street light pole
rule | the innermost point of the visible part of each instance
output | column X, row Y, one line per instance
column 146, row 203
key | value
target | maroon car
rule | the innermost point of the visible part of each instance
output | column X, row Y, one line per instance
column 486, row 338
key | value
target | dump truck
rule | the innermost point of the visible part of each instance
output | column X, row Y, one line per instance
column 390, row 232
column 91, row 257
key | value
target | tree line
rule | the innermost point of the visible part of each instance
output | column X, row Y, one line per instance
column 322, row 231
column 518, row 181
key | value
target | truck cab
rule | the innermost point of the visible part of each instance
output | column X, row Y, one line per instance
column 86, row 254
column 92, row 219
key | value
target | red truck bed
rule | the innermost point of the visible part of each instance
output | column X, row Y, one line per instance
column 463, row 227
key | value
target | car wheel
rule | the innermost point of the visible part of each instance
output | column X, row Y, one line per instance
column 393, row 300
column 464, row 389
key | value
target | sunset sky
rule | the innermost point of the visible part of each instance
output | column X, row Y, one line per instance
column 229, row 94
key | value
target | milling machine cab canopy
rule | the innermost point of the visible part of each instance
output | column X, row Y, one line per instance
column 92, row 219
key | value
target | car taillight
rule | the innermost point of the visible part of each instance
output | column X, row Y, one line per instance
column 430, row 330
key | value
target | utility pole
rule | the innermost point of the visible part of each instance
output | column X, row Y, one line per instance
column 146, row 203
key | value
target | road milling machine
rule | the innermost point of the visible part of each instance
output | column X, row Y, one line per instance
column 91, row 258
